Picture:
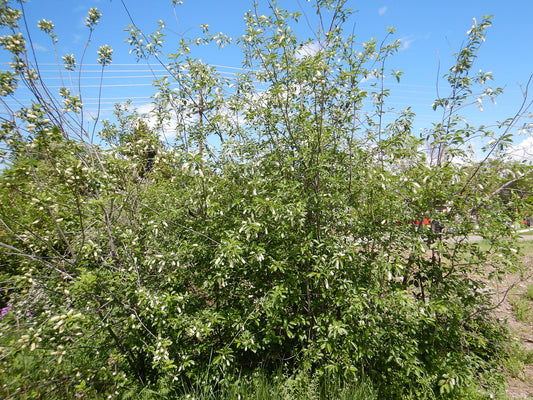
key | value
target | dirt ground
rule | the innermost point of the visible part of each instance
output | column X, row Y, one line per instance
column 507, row 291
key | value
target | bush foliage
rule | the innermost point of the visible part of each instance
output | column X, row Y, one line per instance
column 281, row 232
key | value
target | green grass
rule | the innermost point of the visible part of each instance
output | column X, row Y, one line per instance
column 527, row 247
column 280, row 387
column 519, row 357
column 522, row 308
column 522, row 304
column 529, row 291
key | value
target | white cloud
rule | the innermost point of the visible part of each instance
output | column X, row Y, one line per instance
column 309, row 49
column 76, row 39
column 38, row 47
column 382, row 10
column 144, row 108
column 373, row 75
column 369, row 77
column 406, row 43
column 167, row 131
column 522, row 151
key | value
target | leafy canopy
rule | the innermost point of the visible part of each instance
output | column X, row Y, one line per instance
column 284, row 228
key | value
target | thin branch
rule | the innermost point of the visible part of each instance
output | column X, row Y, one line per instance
column 35, row 258
column 523, row 107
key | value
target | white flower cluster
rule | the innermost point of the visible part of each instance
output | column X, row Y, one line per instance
column 13, row 43
column 93, row 18
column 105, row 55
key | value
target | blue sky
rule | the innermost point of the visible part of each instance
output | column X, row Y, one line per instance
column 431, row 31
